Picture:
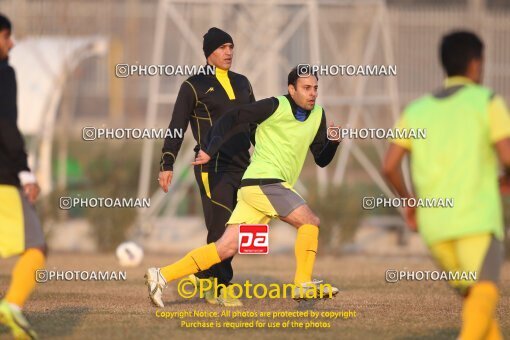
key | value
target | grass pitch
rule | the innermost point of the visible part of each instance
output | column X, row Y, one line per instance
column 121, row 310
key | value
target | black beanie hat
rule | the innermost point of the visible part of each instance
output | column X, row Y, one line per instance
column 214, row 38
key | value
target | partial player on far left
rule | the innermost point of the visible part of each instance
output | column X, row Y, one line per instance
column 20, row 229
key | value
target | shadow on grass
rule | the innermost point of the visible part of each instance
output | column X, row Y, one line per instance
column 57, row 322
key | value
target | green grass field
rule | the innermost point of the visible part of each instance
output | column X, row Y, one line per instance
column 121, row 310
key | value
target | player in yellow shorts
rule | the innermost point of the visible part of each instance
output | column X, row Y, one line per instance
column 288, row 126
column 468, row 129
column 20, row 230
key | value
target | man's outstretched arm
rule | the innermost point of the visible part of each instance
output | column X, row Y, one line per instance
column 253, row 126
column 251, row 113
column 322, row 148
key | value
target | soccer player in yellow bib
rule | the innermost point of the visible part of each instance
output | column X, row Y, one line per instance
column 20, row 229
column 288, row 126
column 468, row 129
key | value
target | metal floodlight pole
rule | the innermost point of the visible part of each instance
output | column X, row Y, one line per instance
column 152, row 105
column 315, row 58
column 354, row 112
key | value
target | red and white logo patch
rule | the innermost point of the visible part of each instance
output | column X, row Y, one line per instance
column 253, row 239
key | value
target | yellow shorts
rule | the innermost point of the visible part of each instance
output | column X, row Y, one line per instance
column 481, row 253
column 258, row 204
column 20, row 228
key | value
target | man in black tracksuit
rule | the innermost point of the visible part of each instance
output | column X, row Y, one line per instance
column 202, row 99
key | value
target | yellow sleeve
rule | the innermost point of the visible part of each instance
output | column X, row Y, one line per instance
column 499, row 120
column 401, row 125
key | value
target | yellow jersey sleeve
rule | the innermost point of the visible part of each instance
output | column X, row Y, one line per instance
column 403, row 142
column 499, row 120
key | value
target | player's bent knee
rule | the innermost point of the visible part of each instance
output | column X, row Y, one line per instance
column 227, row 246
column 222, row 250
column 232, row 248
column 231, row 252
column 42, row 249
column 227, row 251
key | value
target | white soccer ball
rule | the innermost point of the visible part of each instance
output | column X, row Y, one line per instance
column 129, row 254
